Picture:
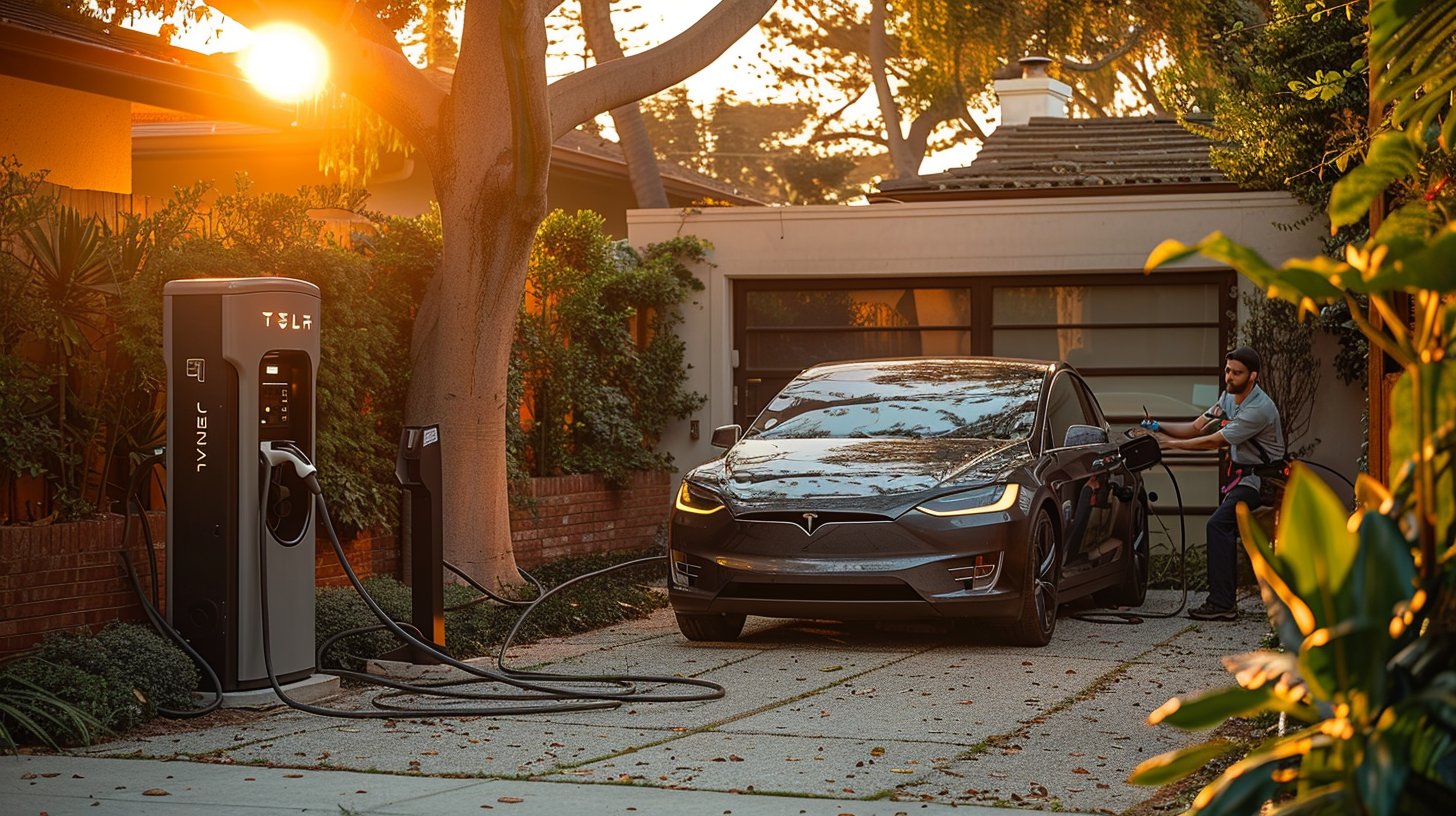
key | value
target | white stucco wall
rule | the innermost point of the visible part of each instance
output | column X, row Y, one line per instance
column 1060, row 237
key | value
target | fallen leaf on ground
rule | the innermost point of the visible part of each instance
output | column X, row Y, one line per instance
column 1080, row 771
column 155, row 792
column 511, row 800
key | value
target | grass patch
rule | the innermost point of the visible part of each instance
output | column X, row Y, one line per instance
column 474, row 630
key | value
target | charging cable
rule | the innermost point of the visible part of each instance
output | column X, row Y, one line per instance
column 545, row 692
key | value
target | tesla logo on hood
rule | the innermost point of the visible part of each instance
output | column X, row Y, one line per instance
column 809, row 522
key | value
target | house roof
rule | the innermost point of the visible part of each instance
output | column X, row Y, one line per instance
column 70, row 51
column 1053, row 156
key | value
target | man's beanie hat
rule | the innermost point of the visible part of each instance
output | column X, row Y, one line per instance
column 1245, row 355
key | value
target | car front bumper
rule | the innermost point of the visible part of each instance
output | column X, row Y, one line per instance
column 916, row 566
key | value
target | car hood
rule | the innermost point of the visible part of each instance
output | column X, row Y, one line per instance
column 884, row 476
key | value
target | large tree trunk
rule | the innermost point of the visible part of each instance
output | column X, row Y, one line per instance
column 491, row 183
column 461, row 355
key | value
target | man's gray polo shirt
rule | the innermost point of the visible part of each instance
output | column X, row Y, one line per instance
column 1255, row 420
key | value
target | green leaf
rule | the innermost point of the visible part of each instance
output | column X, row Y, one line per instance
column 1241, row 790
column 1381, row 776
column 1212, row 708
column 1392, row 156
column 1438, row 405
column 1347, row 659
column 1175, row 765
column 1385, row 571
column 1316, row 550
column 1168, row 252
column 1335, row 798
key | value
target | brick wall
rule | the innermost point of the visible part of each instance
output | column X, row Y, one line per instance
column 575, row 515
column 67, row 575
column 63, row 576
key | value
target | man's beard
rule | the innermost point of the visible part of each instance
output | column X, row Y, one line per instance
column 1238, row 392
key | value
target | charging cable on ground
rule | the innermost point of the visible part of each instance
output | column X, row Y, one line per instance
column 539, row 691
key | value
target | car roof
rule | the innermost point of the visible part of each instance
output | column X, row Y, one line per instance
column 887, row 363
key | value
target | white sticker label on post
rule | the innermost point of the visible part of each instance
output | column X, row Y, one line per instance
column 432, row 435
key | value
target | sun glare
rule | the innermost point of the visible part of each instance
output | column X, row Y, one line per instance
column 285, row 62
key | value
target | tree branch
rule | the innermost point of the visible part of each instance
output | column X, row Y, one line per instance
column 1085, row 67
column 642, row 169
column 844, row 136
column 584, row 94
column 902, row 163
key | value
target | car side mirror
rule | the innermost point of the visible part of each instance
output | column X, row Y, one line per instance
column 1140, row 453
column 1078, row 435
column 726, row 436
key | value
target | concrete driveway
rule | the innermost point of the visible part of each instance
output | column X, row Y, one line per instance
column 899, row 718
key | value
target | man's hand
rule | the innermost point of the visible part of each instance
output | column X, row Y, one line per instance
column 1165, row 442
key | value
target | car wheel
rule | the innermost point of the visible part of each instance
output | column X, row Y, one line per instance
column 710, row 627
column 1133, row 589
column 1039, row 585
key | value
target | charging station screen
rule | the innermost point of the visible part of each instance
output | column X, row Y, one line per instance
column 282, row 384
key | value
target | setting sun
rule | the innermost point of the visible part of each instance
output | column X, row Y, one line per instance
column 285, row 62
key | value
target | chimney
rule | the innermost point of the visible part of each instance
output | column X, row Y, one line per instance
column 1035, row 94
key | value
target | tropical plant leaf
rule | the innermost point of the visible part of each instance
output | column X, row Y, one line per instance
column 1439, row 410
column 1316, row 548
column 1413, row 40
column 1212, row 707
column 1168, row 252
column 1266, row 668
column 1393, row 156
column 1347, row 658
column 1175, row 765
column 1291, row 616
column 1332, row 798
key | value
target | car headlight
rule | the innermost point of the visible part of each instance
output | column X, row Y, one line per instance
column 694, row 499
column 989, row 499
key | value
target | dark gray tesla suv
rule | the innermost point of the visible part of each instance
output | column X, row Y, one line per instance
column 954, row 487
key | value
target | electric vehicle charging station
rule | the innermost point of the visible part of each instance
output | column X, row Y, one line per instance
column 242, row 361
column 418, row 472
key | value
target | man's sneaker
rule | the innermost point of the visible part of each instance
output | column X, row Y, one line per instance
column 1209, row 612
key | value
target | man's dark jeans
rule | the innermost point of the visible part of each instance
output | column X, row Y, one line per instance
column 1223, row 543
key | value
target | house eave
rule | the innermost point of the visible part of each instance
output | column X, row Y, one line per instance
column 1105, row 190
column 51, row 59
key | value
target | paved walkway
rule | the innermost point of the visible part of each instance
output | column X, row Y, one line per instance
column 818, row 718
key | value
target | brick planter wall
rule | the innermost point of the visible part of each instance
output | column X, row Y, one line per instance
column 67, row 575
column 575, row 515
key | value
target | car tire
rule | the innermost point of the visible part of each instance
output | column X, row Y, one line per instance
column 1133, row 589
column 710, row 627
column 1039, row 584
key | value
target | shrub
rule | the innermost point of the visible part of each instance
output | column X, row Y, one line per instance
column 29, row 712
column 99, row 694
column 119, row 676
column 151, row 664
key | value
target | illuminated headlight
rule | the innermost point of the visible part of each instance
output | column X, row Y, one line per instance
column 694, row 499
column 990, row 499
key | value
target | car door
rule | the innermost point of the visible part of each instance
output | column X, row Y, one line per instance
column 1112, row 482
column 1077, row 466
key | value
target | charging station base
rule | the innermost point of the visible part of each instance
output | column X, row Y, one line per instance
column 311, row 689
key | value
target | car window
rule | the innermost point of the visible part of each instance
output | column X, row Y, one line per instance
column 932, row 399
column 1064, row 409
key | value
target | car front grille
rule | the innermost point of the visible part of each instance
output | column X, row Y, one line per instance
column 819, row 592
column 810, row 521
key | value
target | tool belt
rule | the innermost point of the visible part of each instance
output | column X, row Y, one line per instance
column 1273, row 477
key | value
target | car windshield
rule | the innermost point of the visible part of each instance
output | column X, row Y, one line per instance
column 912, row 400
